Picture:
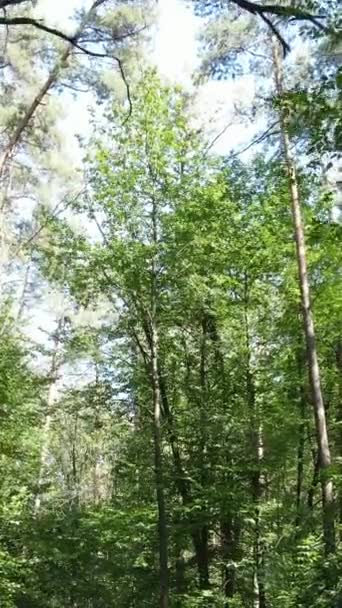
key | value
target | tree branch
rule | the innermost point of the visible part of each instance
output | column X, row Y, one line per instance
column 280, row 11
column 59, row 208
column 269, row 131
column 275, row 31
column 73, row 40
column 5, row 3
column 216, row 138
column 287, row 12
column 50, row 30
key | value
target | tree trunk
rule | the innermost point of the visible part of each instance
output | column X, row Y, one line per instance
column 157, row 430
column 257, row 478
column 162, row 527
column 30, row 111
column 339, row 420
column 200, row 540
column 300, row 469
column 301, row 444
column 230, row 537
column 308, row 323
column 201, row 537
column 51, row 398
column 180, row 581
column 314, row 481
column 259, row 556
column 22, row 297
column 230, row 525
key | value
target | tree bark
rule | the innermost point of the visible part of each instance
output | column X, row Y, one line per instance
column 259, row 556
column 201, row 537
column 257, row 478
column 339, row 420
column 50, row 81
column 157, row 430
column 162, row 527
column 200, row 540
column 51, row 398
column 30, row 111
column 301, row 443
column 199, row 534
column 180, row 581
column 328, row 507
column 230, row 537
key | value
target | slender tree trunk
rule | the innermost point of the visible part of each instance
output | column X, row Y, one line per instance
column 201, row 537
column 314, row 481
column 51, row 398
column 180, row 581
column 199, row 533
column 301, row 443
column 308, row 323
column 200, row 540
column 22, row 297
column 52, row 78
column 230, row 525
column 230, row 537
column 257, row 478
column 339, row 440
column 74, row 473
column 162, row 526
column 339, row 420
column 300, row 465
column 16, row 318
column 30, row 111
column 259, row 555
column 157, row 430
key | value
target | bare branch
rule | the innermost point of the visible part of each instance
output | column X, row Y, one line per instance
column 269, row 131
column 128, row 91
column 284, row 44
column 217, row 137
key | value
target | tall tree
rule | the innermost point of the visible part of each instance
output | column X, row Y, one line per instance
column 324, row 454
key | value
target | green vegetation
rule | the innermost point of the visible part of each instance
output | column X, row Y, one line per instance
column 175, row 439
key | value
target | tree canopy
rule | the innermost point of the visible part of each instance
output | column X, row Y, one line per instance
column 170, row 317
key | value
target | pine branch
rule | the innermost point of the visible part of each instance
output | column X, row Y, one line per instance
column 73, row 40
column 5, row 3
column 263, row 10
column 8, row 21
column 280, row 11
column 275, row 31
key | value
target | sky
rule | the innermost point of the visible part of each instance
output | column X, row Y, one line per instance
column 176, row 62
column 176, row 54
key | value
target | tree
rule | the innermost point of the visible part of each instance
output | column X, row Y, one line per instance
column 24, row 19
column 309, row 329
column 180, row 462
column 266, row 12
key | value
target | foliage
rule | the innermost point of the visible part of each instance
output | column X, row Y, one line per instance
column 174, row 252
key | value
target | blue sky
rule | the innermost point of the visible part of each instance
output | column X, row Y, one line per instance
column 175, row 52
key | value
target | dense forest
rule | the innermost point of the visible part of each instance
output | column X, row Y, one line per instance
column 171, row 316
